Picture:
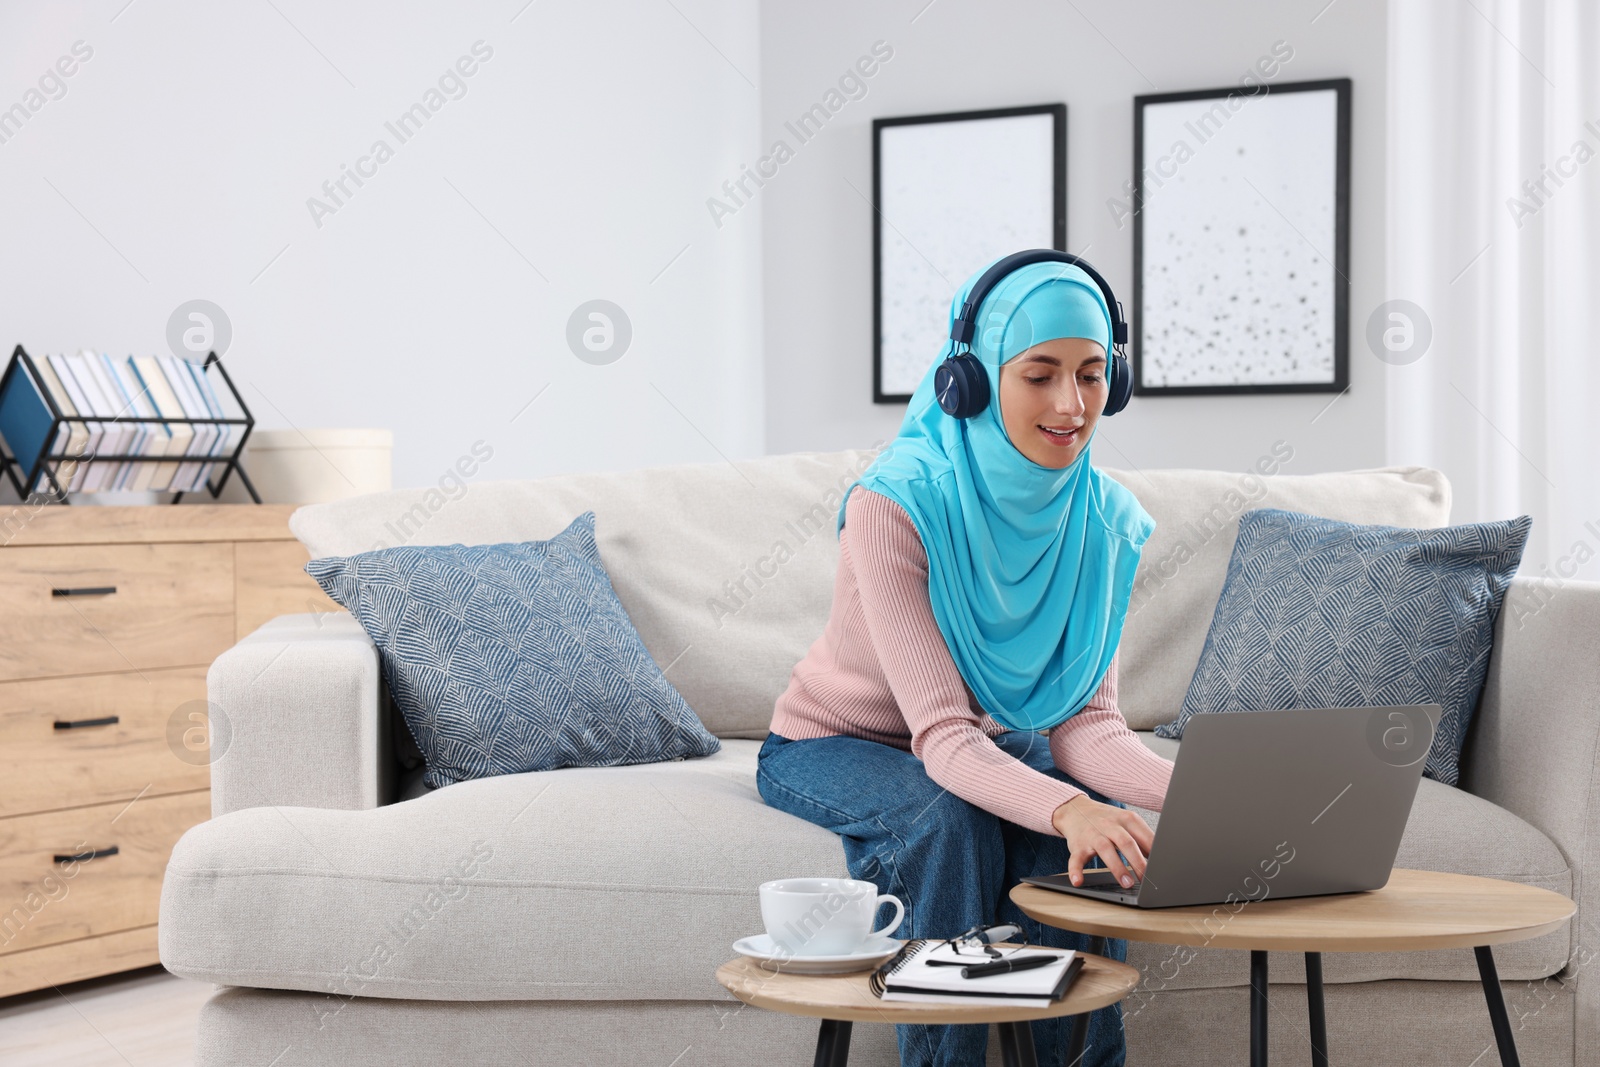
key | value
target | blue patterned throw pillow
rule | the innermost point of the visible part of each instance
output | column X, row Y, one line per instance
column 1316, row 613
column 513, row 657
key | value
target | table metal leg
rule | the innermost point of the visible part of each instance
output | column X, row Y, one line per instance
column 1314, row 1008
column 1016, row 1045
column 1497, row 1007
column 1080, row 1023
column 833, row 1044
column 1258, row 1008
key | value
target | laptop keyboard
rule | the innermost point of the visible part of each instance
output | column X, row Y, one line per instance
column 1114, row 888
column 1110, row 889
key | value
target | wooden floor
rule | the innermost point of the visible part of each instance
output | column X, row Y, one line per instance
column 143, row 1018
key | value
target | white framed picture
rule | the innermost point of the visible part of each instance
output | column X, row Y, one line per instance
column 951, row 192
column 1241, row 243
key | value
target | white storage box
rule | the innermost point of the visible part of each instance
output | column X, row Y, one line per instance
column 312, row 466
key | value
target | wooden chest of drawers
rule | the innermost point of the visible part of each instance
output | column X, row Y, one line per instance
column 109, row 617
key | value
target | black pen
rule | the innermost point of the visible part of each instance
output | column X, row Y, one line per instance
column 1027, row 963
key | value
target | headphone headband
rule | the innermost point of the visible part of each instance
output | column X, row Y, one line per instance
column 965, row 326
column 961, row 384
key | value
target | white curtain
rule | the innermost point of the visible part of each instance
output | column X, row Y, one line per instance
column 1493, row 203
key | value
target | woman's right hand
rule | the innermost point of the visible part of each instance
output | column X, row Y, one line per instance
column 1095, row 829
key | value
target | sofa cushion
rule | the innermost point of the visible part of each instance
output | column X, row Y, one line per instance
column 1316, row 613
column 576, row 884
column 532, row 887
column 513, row 657
column 727, row 569
column 1182, row 566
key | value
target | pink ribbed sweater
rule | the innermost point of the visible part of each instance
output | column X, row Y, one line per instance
column 881, row 671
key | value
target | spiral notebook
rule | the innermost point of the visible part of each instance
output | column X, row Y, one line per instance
column 921, row 971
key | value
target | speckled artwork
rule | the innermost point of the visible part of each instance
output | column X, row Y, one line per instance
column 1238, row 235
column 953, row 196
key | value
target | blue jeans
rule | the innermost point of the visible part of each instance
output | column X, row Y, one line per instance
column 950, row 862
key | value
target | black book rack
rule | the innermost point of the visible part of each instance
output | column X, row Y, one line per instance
column 24, row 471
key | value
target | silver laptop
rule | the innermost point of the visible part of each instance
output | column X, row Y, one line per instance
column 1267, row 804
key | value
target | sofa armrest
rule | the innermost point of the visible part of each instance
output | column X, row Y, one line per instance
column 301, row 706
column 1534, row 749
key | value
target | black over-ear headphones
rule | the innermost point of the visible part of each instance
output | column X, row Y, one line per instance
column 961, row 384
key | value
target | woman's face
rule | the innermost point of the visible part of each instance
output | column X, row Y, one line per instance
column 1057, row 385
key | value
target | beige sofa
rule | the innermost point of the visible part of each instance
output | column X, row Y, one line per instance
column 577, row 916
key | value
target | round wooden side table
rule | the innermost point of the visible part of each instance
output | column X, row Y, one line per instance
column 1415, row 910
column 842, row 999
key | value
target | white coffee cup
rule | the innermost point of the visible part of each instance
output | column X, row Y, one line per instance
column 824, row 916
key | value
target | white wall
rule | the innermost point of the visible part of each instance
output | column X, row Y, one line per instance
column 956, row 56
column 576, row 166
column 180, row 160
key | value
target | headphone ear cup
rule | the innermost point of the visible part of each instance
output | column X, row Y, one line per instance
column 961, row 386
column 1120, row 388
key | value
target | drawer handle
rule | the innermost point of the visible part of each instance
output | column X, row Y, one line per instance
column 87, row 590
column 78, row 724
column 83, row 857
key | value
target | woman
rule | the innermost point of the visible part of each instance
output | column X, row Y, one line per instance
column 982, row 563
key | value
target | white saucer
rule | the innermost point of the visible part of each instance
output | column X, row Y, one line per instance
column 762, row 947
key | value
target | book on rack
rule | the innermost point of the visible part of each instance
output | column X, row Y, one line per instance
column 79, row 403
column 157, row 437
column 113, row 435
column 116, row 391
column 79, row 441
column 930, row 972
column 191, row 475
column 179, row 434
column 25, row 421
column 230, row 435
column 224, row 436
column 116, row 406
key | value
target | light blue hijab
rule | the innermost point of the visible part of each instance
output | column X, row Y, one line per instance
column 1030, row 568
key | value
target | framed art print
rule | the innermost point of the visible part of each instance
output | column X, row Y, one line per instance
column 951, row 192
column 1241, row 240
